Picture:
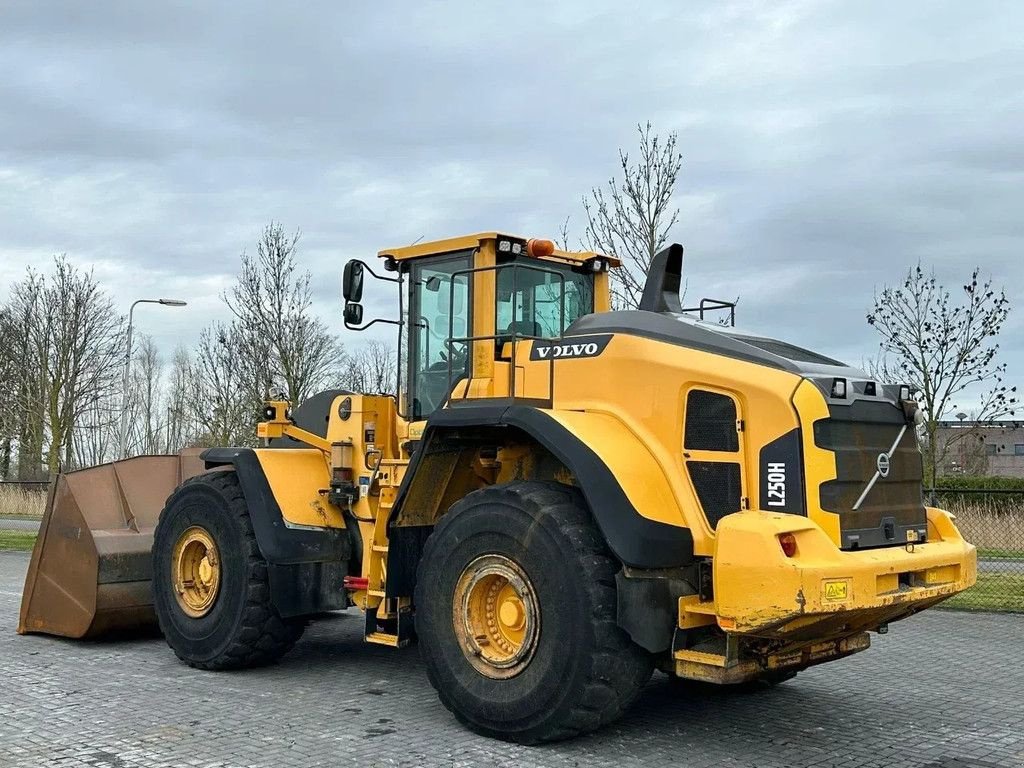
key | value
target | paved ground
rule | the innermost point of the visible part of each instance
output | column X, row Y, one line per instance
column 942, row 690
column 19, row 523
column 1001, row 566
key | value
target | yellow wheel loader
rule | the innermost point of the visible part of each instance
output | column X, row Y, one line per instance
column 559, row 499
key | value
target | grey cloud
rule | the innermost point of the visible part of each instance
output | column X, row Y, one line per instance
column 827, row 146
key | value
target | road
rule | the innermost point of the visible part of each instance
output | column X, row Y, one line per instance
column 941, row 690
column 19, row 524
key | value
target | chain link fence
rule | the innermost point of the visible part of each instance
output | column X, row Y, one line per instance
column 991, row 519
column 21, row 509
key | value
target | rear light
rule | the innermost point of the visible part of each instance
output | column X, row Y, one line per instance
column 788, row 543
column 355, row 582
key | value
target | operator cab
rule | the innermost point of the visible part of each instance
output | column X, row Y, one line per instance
column 467, row 301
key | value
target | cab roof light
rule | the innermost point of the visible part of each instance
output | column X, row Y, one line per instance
column 539, row 249
column 508, row 248
column 592, row 266
column 839, row 388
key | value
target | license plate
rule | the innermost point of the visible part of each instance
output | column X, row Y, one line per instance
column 837, row 590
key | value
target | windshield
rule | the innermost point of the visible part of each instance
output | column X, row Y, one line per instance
column 541, row 298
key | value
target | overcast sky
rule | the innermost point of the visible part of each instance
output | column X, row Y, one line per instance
column 827, row 146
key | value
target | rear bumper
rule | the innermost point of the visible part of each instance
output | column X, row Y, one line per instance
column 721, row 670
column 823, row 592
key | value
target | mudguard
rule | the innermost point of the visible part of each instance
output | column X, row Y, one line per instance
column 306, row 567
column 279, row 544
column 636, row 540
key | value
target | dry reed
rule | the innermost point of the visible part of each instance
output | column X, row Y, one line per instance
column 989, row 523
column 21, row 501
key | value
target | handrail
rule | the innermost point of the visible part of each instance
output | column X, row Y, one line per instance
column 515, row 335
column 710, row 305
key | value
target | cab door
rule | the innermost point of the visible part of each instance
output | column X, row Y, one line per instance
column 439, row 316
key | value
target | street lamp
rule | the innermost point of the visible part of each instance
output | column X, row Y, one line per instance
column 122, row 448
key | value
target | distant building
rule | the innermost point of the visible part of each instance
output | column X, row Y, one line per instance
column 994, row 448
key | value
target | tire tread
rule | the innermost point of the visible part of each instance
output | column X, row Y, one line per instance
column 263, row 636
column 617, row 669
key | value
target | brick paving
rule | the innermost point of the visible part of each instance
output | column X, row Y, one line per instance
column 942, row 690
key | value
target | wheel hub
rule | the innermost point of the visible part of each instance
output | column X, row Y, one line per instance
column 195, row 571
column 496, row 616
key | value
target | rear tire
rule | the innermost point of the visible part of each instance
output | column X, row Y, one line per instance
column 581, row 669
column 241, row 628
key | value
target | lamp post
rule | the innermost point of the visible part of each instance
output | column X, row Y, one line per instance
column 122, row 448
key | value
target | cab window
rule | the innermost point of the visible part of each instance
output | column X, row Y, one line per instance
column 541, row 298
column 439, row 306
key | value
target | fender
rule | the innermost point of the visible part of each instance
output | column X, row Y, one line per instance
column 637, row 541
column 278, row 544
column 306, row 568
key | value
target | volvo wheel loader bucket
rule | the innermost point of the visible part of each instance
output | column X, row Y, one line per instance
column 91, row 566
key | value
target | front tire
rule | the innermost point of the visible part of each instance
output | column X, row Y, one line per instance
column 515, row 612
column 210, row 586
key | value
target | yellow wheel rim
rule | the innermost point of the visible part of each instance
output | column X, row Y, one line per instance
column 495, row 615
column 195, row 567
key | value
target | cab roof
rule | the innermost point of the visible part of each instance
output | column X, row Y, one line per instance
column 467, row 242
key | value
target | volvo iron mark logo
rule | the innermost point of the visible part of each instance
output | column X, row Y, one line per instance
column 882, row 462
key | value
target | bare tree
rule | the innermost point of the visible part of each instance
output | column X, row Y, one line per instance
column 95, row 439
column 24, row 310
column 10, row 375
column 219, row 402
column 371, row 368
column 145, row 399
column 283, row 345
column 563, row 235
column 72, row 340
column 632, row 218
column 945, row 350
column 180, row 425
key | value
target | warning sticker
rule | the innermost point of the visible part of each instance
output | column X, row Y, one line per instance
column 837, row 590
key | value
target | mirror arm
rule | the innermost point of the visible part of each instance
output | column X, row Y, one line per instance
column 364, row 327
column 374, row 274
column 400, row 280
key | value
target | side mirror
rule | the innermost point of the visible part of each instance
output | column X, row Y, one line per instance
column 353, row 313
column 352, row 283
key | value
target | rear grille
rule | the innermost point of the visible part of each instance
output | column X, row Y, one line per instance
column 858, row 434
column 718, row 487
column 710, row 422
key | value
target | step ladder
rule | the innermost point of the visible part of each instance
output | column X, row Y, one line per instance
column 394, row 630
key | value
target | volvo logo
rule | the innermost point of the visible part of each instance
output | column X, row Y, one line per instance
column 883, row 464
column 570, row 347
